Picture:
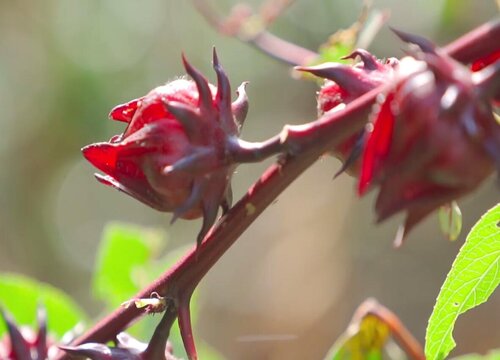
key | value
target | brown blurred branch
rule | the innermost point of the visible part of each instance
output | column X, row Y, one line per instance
column 250, row 28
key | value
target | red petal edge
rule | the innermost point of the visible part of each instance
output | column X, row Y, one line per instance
column 378, row 144
column 125, row 112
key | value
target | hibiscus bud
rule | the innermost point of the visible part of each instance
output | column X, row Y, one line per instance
column 176, row 154
column 128, row 348
column 343, row 84
column 434, row 137
column 22, row 343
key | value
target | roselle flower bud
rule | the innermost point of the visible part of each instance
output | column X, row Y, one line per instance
column 343, row 84
column 176, row 153
column 22, row 343
column 434, row 137
column 127, row 348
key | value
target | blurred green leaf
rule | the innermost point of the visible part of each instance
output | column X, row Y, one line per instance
column 473, row 277
column 452, row 10
column 334, row 52
column 344, row 41
column 492, row 355
column 364, row 339
column 20, row 296
column 124, row 255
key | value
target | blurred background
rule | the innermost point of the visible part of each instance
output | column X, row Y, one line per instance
column 288, row 287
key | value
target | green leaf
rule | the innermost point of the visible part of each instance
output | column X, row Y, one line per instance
column 492, row 355
column 473, row 277
column 20, row 296
column 124, row 253
column 365, row 337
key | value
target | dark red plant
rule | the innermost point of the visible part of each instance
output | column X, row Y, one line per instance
column 434, row 137
column 180, row 147
column 22, row 343
column 184, row 137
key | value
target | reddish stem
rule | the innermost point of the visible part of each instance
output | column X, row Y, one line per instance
column 304, row 144
column 476, row 44
column 261, row 39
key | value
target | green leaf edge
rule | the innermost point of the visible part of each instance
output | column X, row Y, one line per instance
column 62, row 311
column 475, row 238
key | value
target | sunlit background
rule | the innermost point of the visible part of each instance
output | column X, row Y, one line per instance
column 288, row 287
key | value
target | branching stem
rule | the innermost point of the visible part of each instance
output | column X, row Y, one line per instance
column 303, row 145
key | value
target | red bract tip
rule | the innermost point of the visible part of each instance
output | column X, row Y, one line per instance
column 125, row 112
column 485, row 61
column 378, row 144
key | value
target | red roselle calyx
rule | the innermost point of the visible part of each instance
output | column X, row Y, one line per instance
column 345, row 83
column 434, row 137
column 22, row 343
column 180, row 147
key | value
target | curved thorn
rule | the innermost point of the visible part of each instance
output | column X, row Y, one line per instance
column 193, row 199
column 425, row 45
column 228, row 200
column 186, row 329
column 187, row 116
column 210, row 210
column 94, row 351
column 240, row 105
column 198, row 162
column 345, row 76
column 223, row 85
column 205, row 99
column 223, row 97
column 354, row 155
column 370, row 62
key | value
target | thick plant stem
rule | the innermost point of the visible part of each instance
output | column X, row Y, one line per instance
column 476, row 44
column 186, row 328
